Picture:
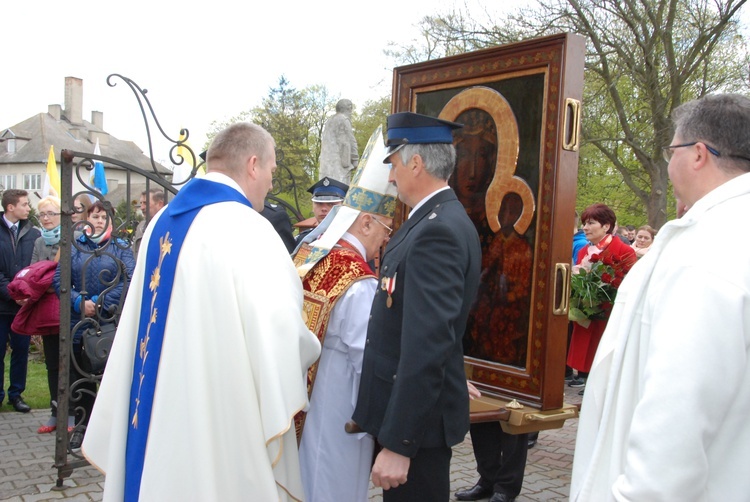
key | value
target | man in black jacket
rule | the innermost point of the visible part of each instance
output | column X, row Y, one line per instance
column 413, row 395
column 280, row 220
column 17, row 237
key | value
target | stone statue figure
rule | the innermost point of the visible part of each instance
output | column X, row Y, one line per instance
column 338, row 149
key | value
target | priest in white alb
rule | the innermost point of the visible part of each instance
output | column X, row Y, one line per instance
column 209, row 363
column 665, row 413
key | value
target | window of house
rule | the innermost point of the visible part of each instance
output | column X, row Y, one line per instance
column 32, row 181
column 7, row 181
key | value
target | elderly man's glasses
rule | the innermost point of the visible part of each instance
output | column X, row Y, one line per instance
column 668, row 151
column 48, row 215
column 390, row 230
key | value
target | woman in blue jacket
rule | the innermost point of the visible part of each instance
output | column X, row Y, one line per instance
column 101, row 268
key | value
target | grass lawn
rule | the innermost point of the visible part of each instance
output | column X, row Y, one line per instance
column 36, row 394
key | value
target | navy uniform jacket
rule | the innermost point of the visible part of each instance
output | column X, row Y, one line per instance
column 413, row 391
column 281, row 222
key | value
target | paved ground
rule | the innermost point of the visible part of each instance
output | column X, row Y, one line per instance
column 27, row 470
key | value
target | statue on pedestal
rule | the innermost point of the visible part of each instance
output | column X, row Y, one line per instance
column 338, row 149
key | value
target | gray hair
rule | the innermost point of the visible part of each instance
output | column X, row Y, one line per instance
column 155, row 194
column 439, row 158
column 722, row 121
column 238, row 141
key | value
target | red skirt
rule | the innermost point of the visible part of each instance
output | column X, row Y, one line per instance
column 583, row 345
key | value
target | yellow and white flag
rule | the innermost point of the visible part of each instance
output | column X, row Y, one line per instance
column 51, row 184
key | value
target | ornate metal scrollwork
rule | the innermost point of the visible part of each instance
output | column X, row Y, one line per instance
column 113, row 280
column 147, row 111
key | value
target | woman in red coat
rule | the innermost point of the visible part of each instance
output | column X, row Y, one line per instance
column 599, row 226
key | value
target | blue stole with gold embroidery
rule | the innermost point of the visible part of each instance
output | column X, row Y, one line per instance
column 161, row 259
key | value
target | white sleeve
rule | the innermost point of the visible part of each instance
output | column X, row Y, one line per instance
column 698, row 326
column 347, row 328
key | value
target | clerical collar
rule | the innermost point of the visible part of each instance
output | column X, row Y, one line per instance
column 349, row 238
column 423, row 201
column 226, row 180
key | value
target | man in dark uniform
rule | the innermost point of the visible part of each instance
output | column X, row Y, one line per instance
column 279, row 218
column 326, row 193
column 501, row 460
column 413, row 395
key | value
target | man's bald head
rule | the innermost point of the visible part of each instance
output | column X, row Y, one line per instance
column 246, row 153
column 232, row 146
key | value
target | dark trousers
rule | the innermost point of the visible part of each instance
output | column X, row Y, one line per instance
column 501, row 457
column 82, row 390
column 51, row 345
column 19, row 359
column 568, row 369
column 428, row 479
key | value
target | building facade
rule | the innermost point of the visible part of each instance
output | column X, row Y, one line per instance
column 24, row 148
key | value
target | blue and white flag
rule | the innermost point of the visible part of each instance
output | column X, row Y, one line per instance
column 98, row 177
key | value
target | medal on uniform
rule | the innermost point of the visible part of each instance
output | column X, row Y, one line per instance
column 390, row 285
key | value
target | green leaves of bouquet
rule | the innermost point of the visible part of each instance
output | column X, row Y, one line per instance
column 593, row 290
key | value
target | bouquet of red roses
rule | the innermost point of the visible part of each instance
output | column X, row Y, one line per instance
column 593, row 289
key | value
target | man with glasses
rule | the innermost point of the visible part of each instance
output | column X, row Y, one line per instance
column 17, row 237
column 413, row 395
column 339, row 287
column 665, row 412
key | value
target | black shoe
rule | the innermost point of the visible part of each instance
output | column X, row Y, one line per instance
column 532, row 441
column 577, row 382
column 502, row 497
column 76, row 440
column 476, row 492
column 580, row 392
column 19, row 405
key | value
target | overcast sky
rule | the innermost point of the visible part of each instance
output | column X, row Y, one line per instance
column 199, row 62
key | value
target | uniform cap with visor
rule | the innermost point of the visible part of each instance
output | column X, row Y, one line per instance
column 328, row 190
column 408, row 128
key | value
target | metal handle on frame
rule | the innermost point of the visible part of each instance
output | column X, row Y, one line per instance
column 572, row 129
column 562, row 289
column 551, row 417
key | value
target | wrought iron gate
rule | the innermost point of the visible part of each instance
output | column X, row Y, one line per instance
column 102, row 274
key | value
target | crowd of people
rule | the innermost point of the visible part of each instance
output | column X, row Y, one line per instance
column 316, row 375
column 101, row 266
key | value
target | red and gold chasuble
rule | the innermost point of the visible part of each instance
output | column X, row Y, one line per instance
column 323, row 286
